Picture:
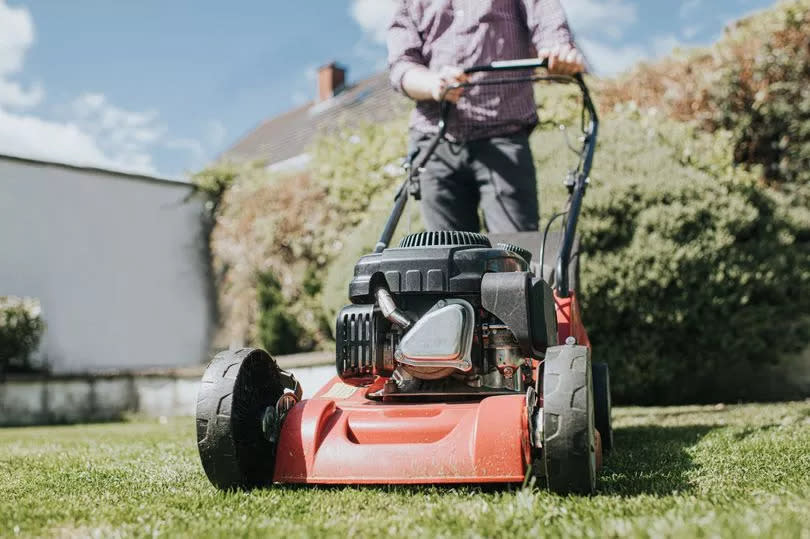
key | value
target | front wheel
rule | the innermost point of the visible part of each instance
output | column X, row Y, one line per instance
column 568, row 445
column 236, row 390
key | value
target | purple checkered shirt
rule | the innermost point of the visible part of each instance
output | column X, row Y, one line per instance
column 464, row 33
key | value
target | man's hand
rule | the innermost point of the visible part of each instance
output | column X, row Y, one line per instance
column 563, row 60
column 447, row 76
column 422, row 84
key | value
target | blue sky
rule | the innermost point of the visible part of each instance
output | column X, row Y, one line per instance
column 162, row 87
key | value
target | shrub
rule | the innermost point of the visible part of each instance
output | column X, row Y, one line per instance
column 692, row 292
column 279, row 226
column 277, row 330
column 696, row 273
column 213, row 182
column 752, row 83
column 291, row 227
column 21, row 329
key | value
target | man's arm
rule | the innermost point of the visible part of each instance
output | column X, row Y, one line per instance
column 409, row 72
column 552, row 37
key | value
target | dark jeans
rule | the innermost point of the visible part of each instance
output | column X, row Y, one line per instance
column 498, row 173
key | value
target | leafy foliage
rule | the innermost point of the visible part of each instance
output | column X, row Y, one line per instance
column 696, row 271
column 277, row 330
column 279, row 226
column 213, row 182
column 753, row 83
column 21, row 328
column 690, row 276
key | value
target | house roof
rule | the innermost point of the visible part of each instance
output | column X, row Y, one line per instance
column 288, row 135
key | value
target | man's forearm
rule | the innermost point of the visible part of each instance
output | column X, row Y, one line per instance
column 419, row 83
column 423, row 84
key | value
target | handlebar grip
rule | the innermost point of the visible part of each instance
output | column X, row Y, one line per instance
column 510, row 65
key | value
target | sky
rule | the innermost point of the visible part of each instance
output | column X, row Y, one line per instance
column 163, row 87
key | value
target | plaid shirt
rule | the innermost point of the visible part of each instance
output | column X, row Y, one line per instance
column 464, row 33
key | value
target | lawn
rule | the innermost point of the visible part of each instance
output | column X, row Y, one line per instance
column 732, row 471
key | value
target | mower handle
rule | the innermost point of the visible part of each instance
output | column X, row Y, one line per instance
column 577, row 190
column 509, row 65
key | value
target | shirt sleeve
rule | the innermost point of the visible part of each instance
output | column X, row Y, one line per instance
column 547, row 23
column 404, row 46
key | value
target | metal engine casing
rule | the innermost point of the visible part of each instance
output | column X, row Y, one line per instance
column 430, row 270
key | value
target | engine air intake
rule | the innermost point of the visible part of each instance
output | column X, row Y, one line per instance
column 445, row 238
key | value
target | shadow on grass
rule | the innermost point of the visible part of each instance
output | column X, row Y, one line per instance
column 651, row 460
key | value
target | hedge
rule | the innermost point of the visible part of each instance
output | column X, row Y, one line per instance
column 695, row 283
column 21, row 328
column 696, row 272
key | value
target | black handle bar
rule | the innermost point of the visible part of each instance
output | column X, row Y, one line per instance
column 581, row 181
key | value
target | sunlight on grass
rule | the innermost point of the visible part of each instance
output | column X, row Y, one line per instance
column 686, row 471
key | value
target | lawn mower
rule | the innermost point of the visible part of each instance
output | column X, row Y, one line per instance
column 462, row 358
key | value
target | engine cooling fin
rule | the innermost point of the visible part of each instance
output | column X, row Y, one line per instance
column 523, row 253
column 445, row 238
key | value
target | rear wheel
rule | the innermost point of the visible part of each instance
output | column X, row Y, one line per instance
column 602, row 404
column 236, row 390
column 568, row 446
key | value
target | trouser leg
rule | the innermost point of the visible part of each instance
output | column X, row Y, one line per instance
column 504, row 170
column 449, row 191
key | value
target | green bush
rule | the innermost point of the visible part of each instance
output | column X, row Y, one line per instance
column 277, row 329
column 278, row 225
column 696, row 272
column 692, row 292
column 763, row 98
column 695, row 278
column 21, row 329
column 752, row 83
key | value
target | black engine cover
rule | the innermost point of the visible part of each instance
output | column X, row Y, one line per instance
column 438, row 269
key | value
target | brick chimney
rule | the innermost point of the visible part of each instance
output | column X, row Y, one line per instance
column 331, row 79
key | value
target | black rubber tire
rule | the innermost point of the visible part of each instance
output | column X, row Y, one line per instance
column 602, row 404
column 236, row 389
column 569, row 449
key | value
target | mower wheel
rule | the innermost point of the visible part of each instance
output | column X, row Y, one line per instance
column 602, row 406
column 236, row 389
column 569, row 446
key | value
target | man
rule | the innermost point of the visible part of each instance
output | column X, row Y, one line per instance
column 486, row 157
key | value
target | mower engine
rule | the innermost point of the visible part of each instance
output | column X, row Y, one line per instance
column 445, row 314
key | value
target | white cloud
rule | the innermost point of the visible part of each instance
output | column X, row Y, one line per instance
column 95, row 139
column 609, row 18
column 28, row 136
column 94, row 132
column 16, row 36
column 663, row 45
column 374, row 16
column 12, row 94
column 100, row 117
column 607, row 59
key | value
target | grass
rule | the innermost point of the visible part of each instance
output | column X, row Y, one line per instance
column 733, row 471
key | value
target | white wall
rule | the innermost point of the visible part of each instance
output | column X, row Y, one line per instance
column 115, row 260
